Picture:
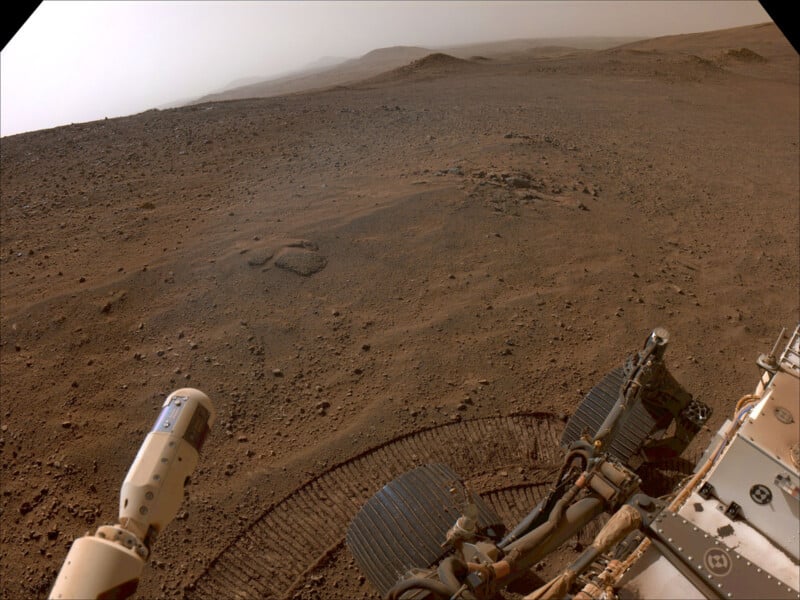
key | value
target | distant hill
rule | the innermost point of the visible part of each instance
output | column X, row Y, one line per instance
column 764, row 38
column 755, row 50
column 349, row 71
column 435, row 64
column 742, row 49
column 322, row 75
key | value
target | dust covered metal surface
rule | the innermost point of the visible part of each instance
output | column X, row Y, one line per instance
column 723, row 569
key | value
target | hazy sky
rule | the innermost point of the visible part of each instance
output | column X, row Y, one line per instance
column 81, row 61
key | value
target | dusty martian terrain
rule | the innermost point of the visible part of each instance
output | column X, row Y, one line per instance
column 435, row 263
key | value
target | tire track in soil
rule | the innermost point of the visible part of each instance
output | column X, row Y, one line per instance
column 292, row 537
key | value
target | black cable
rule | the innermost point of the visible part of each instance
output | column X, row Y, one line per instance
column 437, row 588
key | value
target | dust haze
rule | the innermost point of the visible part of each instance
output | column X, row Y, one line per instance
column 81, row 61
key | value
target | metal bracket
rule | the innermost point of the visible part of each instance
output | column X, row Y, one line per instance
column 706, row 491
column 734, row 512
column 784, row 482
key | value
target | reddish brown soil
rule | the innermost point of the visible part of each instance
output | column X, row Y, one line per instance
column 526, row 223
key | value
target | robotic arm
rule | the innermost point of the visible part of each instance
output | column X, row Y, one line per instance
column 108, row 564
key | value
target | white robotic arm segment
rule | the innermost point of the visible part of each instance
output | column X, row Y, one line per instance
column 108, row 564
column 100, row 566
column 153, row 488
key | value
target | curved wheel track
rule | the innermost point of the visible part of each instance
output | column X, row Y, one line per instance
column 508, row 460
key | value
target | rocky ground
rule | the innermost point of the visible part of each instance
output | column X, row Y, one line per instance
column 449, row 242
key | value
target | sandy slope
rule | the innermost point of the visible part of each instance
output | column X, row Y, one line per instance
column 523, row 224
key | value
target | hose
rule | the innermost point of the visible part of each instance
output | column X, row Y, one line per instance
column 437, row 588
column 579, row 449
column 451, row 572
column 744, row 400
column 523, row 527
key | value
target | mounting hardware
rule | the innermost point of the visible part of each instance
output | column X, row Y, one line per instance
column 734, row 511
column 706, row 491
column 784, row 482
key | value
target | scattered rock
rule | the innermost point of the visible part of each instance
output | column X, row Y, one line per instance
column 746, row 55
column 305, row 244
column 302, row 262
column 114, row 302
column 277, row 372
column 260, row 257
column 519, row 182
